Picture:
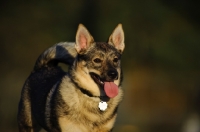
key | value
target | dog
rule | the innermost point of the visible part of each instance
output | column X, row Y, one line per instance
column 83, row 99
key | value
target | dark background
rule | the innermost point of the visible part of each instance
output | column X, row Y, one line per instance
column 161, row 59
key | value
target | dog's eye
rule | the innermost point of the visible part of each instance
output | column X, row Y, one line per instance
column 97, row 60
column 115, row 60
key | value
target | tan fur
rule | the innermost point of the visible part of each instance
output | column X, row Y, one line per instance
column 82, row 76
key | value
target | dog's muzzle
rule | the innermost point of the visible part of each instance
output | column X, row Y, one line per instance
column 107, row 82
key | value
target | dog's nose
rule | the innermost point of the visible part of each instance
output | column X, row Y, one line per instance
column 113, row 74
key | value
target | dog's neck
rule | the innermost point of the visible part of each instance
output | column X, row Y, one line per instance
column 88, row 93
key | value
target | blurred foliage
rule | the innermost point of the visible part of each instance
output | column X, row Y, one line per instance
column 161, row 59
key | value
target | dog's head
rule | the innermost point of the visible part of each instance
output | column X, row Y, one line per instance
column 97, row 66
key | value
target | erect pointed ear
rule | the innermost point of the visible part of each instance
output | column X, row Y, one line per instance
column 83, row 39
column 117, row 38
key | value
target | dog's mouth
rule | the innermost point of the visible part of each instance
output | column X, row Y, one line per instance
column 97, row 79
column 110, row 88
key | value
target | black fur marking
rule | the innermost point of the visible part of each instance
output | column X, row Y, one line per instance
column 88, row 93
column 42, row 81
column 54, row 117
column 84, row 91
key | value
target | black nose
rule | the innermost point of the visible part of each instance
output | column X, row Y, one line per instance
column 112, row 74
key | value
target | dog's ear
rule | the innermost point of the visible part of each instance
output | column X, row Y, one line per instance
column 83, row 39
column 117, row 38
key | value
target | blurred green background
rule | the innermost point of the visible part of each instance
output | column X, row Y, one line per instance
column 161, row 59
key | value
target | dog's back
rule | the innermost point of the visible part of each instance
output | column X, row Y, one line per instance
column 39, row 85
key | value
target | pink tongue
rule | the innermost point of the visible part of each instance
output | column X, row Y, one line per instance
column 111, row 89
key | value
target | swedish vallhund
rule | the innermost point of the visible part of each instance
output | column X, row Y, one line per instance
column 84, row 99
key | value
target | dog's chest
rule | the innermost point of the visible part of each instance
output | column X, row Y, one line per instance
column 86, row 116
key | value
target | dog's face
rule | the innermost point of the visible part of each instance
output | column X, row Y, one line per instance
column 98, row 63
column 103, row 62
